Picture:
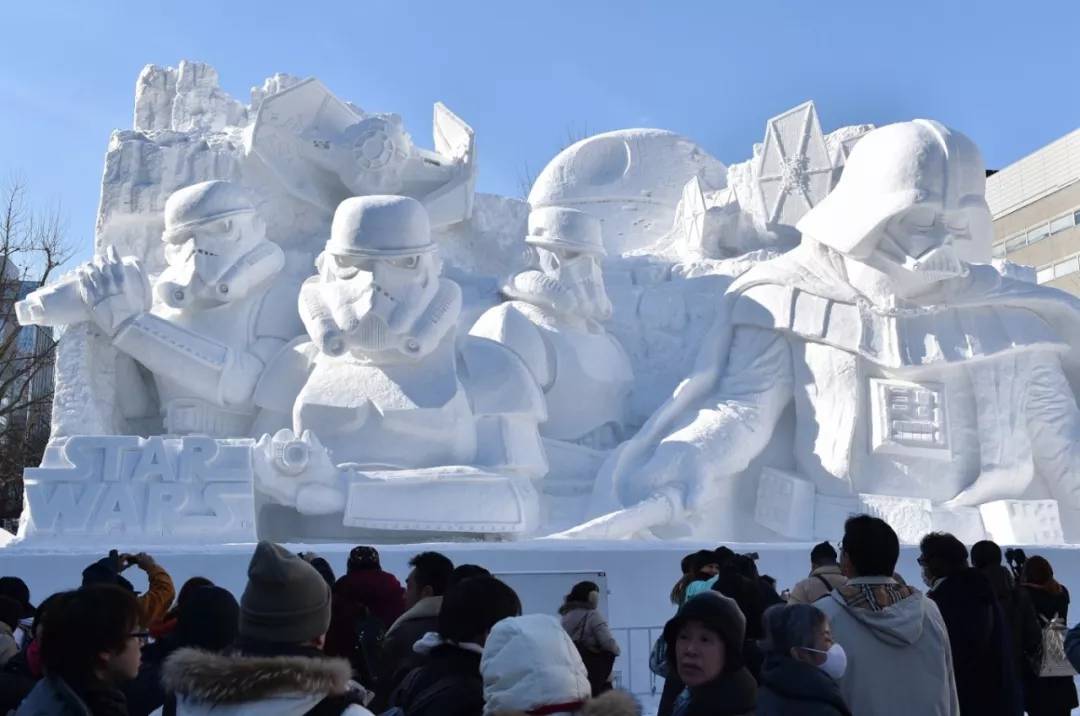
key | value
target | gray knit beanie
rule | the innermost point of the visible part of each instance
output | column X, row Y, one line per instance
column 286, row 600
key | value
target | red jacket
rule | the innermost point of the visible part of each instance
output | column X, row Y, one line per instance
column 380, row 592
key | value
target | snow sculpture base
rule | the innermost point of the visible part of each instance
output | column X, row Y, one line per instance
column 100, row 489
column 1023, row 521
column 783, row 499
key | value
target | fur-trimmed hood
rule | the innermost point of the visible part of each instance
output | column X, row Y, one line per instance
column 223, row 684
column 612, row 703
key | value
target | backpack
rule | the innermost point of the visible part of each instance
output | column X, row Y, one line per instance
column 1051, row 660
column 366, row 653
column 434, row 693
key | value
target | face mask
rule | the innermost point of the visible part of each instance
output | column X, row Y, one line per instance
column 835, row 663
column 583, row 278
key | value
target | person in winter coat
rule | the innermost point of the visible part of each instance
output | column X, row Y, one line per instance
column 1072, row 647
column 899, row 656
column 986, row 681
column 705, row 648
column 672, row 686
column 321, row 566
column 208, row 619
column 364, row 589
column 10, row 615
column 278, row 667
column 89, row 647
column 588, row 628
column 706, row 567
column 802, row 663
column 825, row 576
column 531, row 666
column 1052, row 695
column 1023, row 624
column 19, row 676
column 164, row 627
column 158, row 597
column 449, row 684
column 747, row 596
column 424, row 589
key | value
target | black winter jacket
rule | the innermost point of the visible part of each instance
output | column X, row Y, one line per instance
column 794, row 688
column 449, row 684
column 986, row 680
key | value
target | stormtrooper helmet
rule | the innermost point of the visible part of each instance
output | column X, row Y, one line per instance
column 380, row 260
column 209, row 228
column 569, row 246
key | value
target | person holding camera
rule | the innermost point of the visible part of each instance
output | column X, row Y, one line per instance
column 158, row 597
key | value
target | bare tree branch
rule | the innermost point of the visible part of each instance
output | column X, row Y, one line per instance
column 33, row 246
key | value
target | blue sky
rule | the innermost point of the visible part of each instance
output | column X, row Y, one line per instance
column 527, row 74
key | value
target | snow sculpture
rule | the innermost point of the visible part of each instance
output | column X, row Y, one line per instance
column 208, row 325
column 324, row 151
column 631, row 179
column 127, row 489
column 794, row 170
column 921, row 387
column 714, row 226
column 379, row 415
column 553, row 323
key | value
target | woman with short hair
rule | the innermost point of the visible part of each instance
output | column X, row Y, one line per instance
column 704, row 647
column 90, row 645
column 802, row 664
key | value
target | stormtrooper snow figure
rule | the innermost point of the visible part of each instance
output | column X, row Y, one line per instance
column 211, row 320
column 553, row 322
column 380, row 415
column 901, row 373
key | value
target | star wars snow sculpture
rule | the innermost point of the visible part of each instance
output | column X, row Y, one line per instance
column 207, row 325
column 553, row 323
column 382, row 421
column 324, row 150
column 631, row 179
column 874, row 369
column 794, row 170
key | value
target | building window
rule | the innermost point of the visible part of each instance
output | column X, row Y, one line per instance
column 1066, row 267
column 1044, row 275
column 1038, row 233
column 1061, row 223
column 999, row 251
column 1015, row 243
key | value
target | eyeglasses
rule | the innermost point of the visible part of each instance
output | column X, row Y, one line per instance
column 142, row 636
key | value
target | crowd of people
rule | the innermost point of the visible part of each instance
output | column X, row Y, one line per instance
column 855, row 638
column 983, row 637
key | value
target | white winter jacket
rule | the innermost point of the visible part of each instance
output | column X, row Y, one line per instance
column 529, row 662
column 209, row 684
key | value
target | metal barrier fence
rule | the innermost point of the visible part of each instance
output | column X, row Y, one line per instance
column 631, row 672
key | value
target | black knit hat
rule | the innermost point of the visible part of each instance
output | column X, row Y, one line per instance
column 208, row 618
column 16, row 589
column 363, row 557
column 718, row 614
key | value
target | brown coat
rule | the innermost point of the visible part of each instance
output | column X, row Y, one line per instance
column 812, row 588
